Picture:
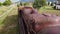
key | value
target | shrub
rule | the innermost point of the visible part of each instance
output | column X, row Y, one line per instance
column 0, row 4
column 39, row 3
column 7, row 2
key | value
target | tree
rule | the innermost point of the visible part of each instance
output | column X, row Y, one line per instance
column 48, row 3
column 0, row 3
column 21, row 3
column 52, row 4
column 7, row 2
column 26, row 3
column 39, row 3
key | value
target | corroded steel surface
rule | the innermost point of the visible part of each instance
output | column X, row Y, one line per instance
column 39, row 23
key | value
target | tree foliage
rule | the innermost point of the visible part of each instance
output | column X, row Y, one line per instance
column 21, row 3
column 0, row 3
column 7, row 2
column 26, row 3
column 39, row 3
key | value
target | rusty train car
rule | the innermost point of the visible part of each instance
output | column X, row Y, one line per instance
column 31, row 22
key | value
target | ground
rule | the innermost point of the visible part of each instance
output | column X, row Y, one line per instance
column 49, row 10
column 3, row 9
column 9, row 22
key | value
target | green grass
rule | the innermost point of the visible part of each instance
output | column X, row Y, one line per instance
column 3, row 9
column 10, row 23
column 4, row 15
column 49, row 10
column 1, row 12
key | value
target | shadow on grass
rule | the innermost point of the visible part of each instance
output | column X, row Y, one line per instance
column 10, row 25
